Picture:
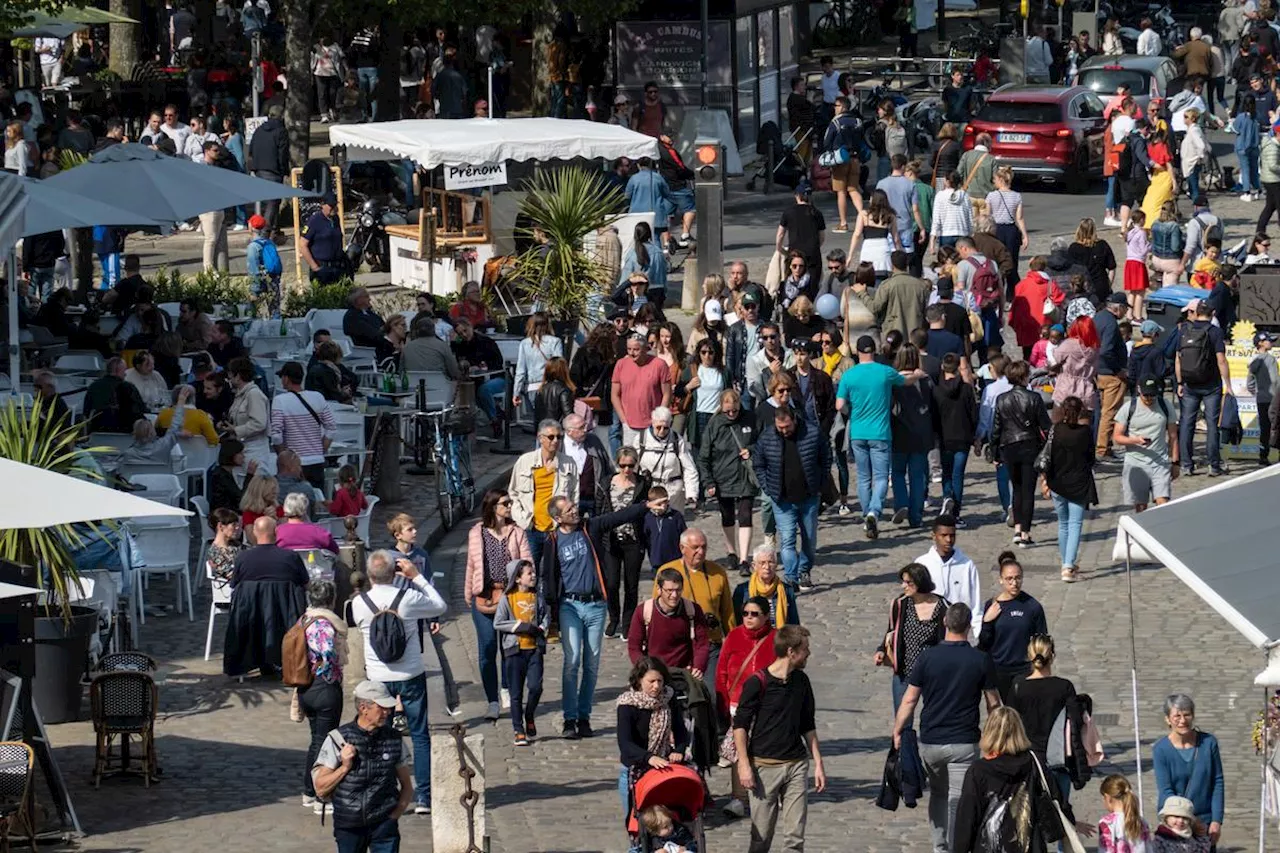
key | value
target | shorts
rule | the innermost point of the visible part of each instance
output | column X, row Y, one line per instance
column 844, row 175
column 735, row 509
column 1141, row 485
column 681, row 202
column 1136, row 279
column 1132, row 192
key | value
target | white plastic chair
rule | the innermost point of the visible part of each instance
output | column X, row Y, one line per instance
column 326, row 318
column 198, row 456
column 440, row 390
column 200, row 504
column 220, row 600
column 149, row 469
column 337, row 525
column 80, row 360
column 348, row 432
column 164, row 544
column 162, row 488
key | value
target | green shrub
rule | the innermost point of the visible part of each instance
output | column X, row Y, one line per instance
column 209, row 288
column 298, row 301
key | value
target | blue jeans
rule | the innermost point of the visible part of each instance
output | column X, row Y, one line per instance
column 368, row 79
column 1070, row 522
column 1002, row 488
column 110, row 269
column 1249, row 170
column 842, row 470
column 898, row 685
column 487, row 643
column 615, row 437
column 872, row 459
column 991, row 336
column 1191, row 400
column 953, row 465
column 537, row 539
column 790, row 516
column 581, row 636
column 910, row 483
column 379, row 838
column 624, row 788
column 413, row 695
column 521, row 670
column 1113, row 193
column 496, row 387
column 948, row 241
column 1193, row 183
column 42, row 282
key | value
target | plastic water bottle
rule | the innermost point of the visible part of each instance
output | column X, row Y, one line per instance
column 312, row 569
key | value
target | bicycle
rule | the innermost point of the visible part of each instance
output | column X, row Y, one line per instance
column 847, row 24
column 455, row 485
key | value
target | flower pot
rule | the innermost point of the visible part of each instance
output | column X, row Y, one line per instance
column 61, row 651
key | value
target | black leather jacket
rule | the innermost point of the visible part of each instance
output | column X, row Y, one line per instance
column 1020, row 416
column 554, row 401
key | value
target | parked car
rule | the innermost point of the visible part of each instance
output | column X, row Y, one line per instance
column 1146, row 76
column 1046, row 132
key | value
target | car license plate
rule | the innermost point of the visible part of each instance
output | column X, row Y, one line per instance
column 1015, row 137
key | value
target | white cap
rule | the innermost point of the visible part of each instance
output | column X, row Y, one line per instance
column 713, row 311
column 1251, row 8
column 375, row 692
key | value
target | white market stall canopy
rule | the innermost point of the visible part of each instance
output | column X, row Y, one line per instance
column 34, row 497
column 475, row 141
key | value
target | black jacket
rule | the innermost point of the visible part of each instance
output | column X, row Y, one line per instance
column 363, row 327
column 261, row 613
column 269, row 148
column 633, row 735
column 718, row 461
column 113, row 405
column 40, row 251
column 1001, row 778
column 553, row 401
column 815, row 455
column 1020, row 416
column 595, row 528
column 481, row 349
column 903, row 775
column 822, row 394
column 1071, row 459
column 370, row 792
column 735, row 355
column 913, row 419
column 957, row 409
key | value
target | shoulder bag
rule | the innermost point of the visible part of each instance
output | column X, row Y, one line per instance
column 751, row 468
column 973, row 171
column 729, row 749
column 1070, row 840
column 1044, row 459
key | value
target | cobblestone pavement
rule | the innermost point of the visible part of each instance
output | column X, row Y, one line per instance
column 232, row 760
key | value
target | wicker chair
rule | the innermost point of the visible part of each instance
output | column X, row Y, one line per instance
column 17, row 761
column 126, row 662
column 124, row 706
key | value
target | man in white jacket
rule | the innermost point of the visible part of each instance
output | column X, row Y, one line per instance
column 955, row 576
column 1149, row 43
column 1039, row 59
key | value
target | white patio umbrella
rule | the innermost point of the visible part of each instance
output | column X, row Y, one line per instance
column 12, row 590
column 34, row 497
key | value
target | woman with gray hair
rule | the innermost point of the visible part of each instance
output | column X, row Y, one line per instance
column 1187, row 764
column 297, row 533
column 321, row 701
column 665, row 457
column 148, row 449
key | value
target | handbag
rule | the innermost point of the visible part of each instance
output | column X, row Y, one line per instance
column 1044, row 459
column 1070, row 840
column 488, row 603
column 729, row 749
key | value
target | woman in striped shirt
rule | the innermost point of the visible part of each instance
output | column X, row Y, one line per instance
column 952, row 215
column 1005, row 205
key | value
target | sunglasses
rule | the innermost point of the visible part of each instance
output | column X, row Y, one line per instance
column 755, row 614
column 555, row 437
column 627, row 466
column 706, row 352
column 768, row 337
column 827, row 342
column 784, row 390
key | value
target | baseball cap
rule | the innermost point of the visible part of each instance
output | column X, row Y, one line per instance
column 291, row 370
column 946, row 288
column 619, row 100
column 1262, row 336
column 1150, row 328
column 257, row 222
column 613, row 312
column 713, row 311
column 1191, row 306
column 1117, row 299
column 330, row 198
column 1149, row 386
column 866, row 343
column 750, row 298
column 375, row 692
column 1178, row 807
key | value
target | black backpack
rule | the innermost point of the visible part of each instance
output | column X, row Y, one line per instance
column 1199, row 361
column 1207, row 231
column 387, row 637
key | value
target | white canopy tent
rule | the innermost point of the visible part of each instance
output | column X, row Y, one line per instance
column 1186, row 536
column 474, row 141
column 34, row 497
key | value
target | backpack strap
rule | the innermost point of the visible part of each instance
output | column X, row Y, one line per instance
column 368, row 602
column 395, row 602
column 973, row 170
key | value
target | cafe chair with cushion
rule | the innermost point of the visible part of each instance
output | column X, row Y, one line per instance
column 17, row 798
column 124, row 707
column 126, row 662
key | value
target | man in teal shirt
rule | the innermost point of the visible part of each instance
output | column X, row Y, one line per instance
column 865, row 397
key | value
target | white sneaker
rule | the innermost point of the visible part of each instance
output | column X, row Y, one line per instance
column 493, row 713
column 318, row 808
column 1246, row 197
column 422, row 808
column 1111, row 222
column 505, row 696
column 309, row 801
column 844, row 510
column 735, row 808
column 239, row 227
column 186, row 226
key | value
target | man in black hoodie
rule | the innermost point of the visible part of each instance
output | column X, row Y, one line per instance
column 957, row 412
column 269, row 159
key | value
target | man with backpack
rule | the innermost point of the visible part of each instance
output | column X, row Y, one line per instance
column 1147, row 427
column 844, row 134
column 1134, row 166
column 387, row 617
column 980, row 287
column 262, row 262
column 671, row 628
column 1202, row 225
column 1203, row 376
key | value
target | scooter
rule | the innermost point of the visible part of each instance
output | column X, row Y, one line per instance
column 369, row 241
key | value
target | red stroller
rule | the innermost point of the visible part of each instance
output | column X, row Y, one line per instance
column 678, row 787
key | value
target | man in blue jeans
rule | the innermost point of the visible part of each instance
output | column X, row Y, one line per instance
column 1203, row 377
column 573, row 586
column 791, row 458
column 405, row 677
column 864, row 397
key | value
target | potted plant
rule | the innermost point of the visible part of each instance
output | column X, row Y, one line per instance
column 562, row 208
column 32, row 436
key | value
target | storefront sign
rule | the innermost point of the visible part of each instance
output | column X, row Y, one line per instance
column 470, row 177
column 670, row 53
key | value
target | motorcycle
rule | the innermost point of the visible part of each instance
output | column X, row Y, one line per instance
column 369, row 241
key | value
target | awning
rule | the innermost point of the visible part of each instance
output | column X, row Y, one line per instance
column 473, row 141
column 34, row 497
column 13, row 210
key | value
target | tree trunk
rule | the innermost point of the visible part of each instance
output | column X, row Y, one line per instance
column 82, row 257
column 297, row 103
column 543, row 34
column 124, row 37
column 387, row 94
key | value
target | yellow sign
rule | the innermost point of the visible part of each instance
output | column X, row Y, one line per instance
column 1025, row 8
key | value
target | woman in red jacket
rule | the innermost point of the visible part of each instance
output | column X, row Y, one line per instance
column 747, row 649
column 1027, row 315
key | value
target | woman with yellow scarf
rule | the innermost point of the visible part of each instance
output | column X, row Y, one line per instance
column 766, row 583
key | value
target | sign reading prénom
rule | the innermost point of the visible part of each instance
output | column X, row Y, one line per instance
column 468, row 177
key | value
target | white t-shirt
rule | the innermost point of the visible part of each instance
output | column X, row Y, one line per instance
column 1121, row 126
column 54, row 48
column 1178, row 122
column 830, row 87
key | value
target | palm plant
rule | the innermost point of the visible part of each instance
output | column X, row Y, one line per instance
column 563, row 207
column 31, row 435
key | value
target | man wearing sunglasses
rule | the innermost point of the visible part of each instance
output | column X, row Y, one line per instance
column 767, row 363
column 742, row 343
column 838, row 275
column 539, row 475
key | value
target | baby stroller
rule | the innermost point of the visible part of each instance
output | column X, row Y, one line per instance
column 788, row 166
column 680, row 789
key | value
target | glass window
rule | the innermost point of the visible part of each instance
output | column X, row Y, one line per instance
column 1111, row 78
column 1020, row 112
column 787, row 36
column 766, row 41
column 743, row 40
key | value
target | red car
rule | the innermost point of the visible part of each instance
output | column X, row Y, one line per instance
column 1045, row 132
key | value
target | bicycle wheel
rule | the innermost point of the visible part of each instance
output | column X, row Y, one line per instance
column 827, row 31
column 467, row 482
column 444, row 494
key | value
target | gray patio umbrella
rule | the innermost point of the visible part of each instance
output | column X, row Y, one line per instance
column 50, row 208
column 164, row 188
